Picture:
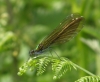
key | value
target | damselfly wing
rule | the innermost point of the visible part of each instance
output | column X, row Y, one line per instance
column 63, row 33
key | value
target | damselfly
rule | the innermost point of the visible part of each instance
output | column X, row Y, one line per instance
column 63, row 33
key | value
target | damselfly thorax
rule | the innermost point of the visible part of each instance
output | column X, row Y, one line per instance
column 39, row 50
column 63, row 33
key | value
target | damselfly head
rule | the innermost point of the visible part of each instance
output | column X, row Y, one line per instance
column 31, row 52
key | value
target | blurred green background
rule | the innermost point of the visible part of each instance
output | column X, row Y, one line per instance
column 24, row 23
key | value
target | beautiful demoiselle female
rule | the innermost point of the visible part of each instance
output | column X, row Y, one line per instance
column 63, row 33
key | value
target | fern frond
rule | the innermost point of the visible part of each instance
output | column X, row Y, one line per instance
column 29, row 64
column 32, row 63
column 42, row 64
column 89, row 79
column 60, row 67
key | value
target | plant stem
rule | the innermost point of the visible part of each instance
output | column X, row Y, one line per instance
column 84, row 70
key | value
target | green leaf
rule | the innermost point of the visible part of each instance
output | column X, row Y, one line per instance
column 42, row 64
column 60, row 67
column 89, row 79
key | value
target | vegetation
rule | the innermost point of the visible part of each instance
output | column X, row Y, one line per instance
column 23, row 24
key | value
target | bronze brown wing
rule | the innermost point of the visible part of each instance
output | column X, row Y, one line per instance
column 64, row 32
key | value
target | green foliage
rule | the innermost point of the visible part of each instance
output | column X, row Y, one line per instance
column 89, row 79
column 59, row 66
column 6, row 38
column 24, row 23
column 93, row 32
column 42, row 64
